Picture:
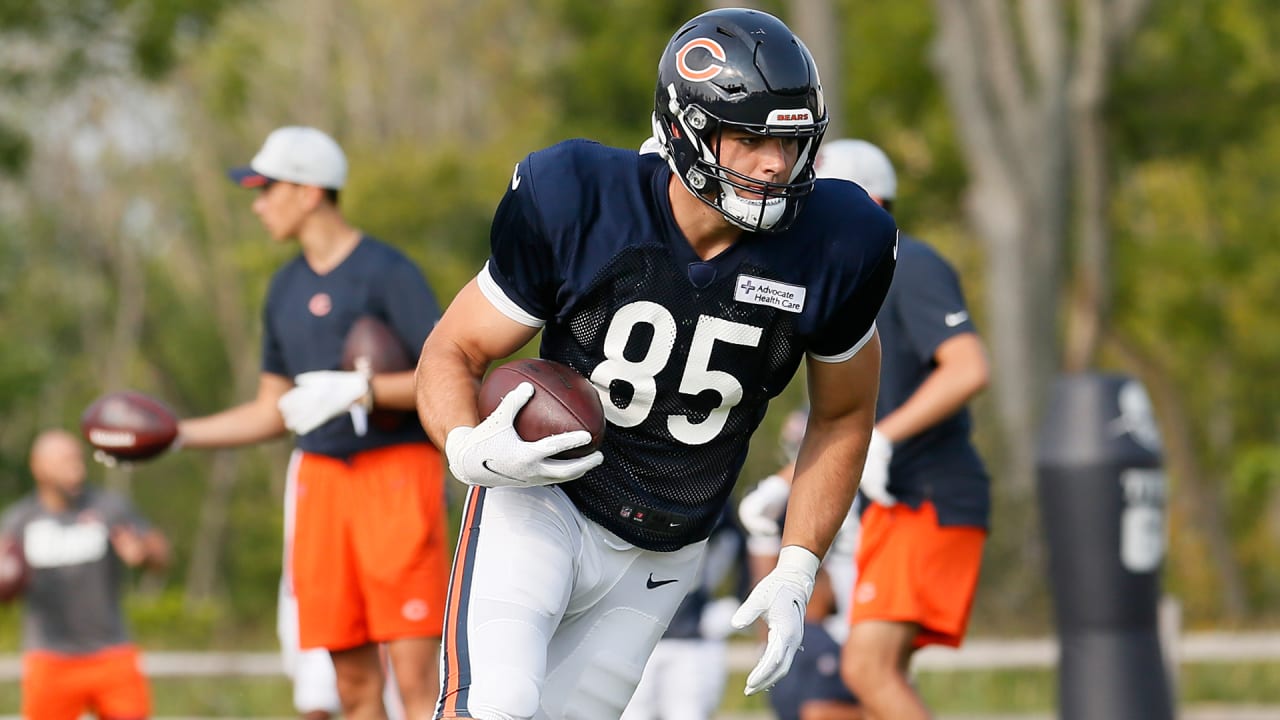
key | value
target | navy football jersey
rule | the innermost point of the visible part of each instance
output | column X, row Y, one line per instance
column 924, row 308
column 307, row 316
column 686, row 353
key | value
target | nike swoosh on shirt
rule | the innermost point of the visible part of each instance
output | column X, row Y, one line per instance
column 515, row 177
column 955, row 318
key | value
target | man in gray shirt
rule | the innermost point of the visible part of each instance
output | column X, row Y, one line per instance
column 77, row 540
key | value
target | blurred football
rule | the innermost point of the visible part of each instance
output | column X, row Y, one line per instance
column 373, row 347
column 14, row 573
column 129, row 425
column 563, row 401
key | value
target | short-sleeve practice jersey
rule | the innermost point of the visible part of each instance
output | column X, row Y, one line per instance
column 924, row 308
column 686, row 353
column 73, row 596
column 307, row 316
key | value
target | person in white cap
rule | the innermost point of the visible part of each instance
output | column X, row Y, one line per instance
column 924, row 489
column 366, row 554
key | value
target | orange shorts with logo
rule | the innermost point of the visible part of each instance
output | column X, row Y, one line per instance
column 109, row 683
column 370, row 558
column 910, row 569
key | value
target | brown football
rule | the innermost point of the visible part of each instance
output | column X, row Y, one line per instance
column 14, row 572
column 129, row 425
column 563, row 401
column 373, row 347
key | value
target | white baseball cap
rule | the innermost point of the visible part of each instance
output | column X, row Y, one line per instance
column 861, row 162
column 296, row 154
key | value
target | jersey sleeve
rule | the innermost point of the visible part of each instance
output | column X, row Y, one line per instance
column 272, row 353
column 850, row 327
column 932, row 309
column 520, row 278
column 410, row 304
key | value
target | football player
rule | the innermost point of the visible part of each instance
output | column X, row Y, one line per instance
column 76, row 539
column 689, row 285
column 926, row 488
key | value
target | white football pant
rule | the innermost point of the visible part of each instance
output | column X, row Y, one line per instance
column 550, row 615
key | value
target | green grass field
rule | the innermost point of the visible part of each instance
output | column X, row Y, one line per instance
column 1021, row 691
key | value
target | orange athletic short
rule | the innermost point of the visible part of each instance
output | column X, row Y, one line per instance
column 370, row 558
column 63, row 687
column 912, row 570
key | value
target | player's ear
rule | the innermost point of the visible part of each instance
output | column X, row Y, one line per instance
column 312, row 196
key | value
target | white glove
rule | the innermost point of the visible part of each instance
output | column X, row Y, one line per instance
column 875, row 473
column 760, row 509
column 492, row 454
column 781, row 597
column 320, row 396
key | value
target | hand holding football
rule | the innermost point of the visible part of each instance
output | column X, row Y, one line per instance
column 129, row 425
column 563, row 401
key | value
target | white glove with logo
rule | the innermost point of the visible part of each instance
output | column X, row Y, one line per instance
column 781, row 597
column 875, row 474
column 492, row 454
column 760, row 510
column 320, row 396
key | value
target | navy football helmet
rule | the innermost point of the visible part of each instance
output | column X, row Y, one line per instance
column 742, row 69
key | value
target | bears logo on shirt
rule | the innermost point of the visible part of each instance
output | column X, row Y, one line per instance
column 320, row 304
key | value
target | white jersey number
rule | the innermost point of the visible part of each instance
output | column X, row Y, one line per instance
column 698, row 376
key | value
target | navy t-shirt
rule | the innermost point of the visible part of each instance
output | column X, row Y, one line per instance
column 925, row 307
column 685, row 353
column 307, row 316
column 814, row 676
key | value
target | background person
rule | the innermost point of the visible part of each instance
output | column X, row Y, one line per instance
column 925, row 522
column 368, row 562
column 77, row 539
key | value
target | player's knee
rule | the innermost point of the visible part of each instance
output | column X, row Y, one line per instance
column 856, row 669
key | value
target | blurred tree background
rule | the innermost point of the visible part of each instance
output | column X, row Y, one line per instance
column 127, row 259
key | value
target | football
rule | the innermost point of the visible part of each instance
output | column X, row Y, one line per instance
column 563, row 401
column 372, row 347
column 129, row 425
column 13, row 570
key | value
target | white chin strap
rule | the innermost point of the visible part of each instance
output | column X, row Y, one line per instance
column 752, row 214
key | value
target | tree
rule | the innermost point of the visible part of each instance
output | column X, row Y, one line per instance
column 1027, row 95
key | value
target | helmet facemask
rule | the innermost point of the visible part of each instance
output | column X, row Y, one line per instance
column 691, row 145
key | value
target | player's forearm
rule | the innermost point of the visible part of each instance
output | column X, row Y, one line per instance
column 245, row 424
column 394, row 391
column 961, row 375
column 826, row 480
column 447, row 383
